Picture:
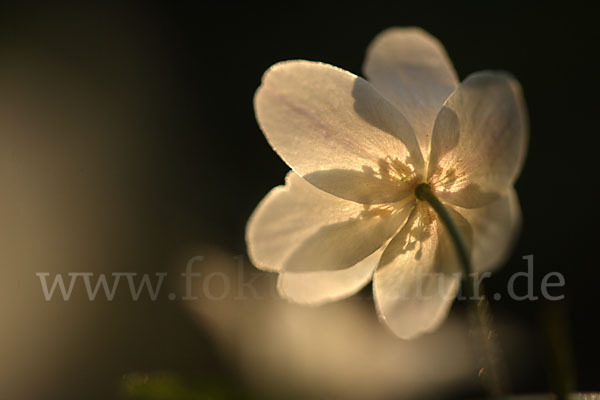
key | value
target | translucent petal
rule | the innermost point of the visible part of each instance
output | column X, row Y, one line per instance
column 335, row 130
column 323, row 286
column 298, row 227
column 412, row 70
column 495, row 228
column 479, row 140
column 419, row 273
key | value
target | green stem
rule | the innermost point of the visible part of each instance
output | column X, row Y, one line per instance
column 424, row 192
column 480, row 312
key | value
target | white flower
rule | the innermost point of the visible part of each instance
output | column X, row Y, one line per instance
column 358, row 149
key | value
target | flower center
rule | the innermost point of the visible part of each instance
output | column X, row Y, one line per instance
column 423, row 191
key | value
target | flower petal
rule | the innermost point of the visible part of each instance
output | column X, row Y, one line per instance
column 335, row 130
column 298, row 227
column 419, row 273
column 479, row 140
column 495, row 227
column 412, row 70
column 324, row 286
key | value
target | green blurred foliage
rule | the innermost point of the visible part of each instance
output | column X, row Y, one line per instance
column 167, row 386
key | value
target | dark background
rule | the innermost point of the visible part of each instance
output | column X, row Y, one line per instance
column 141, row 143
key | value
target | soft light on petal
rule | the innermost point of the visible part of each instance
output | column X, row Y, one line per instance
column 324, row 286
column 479, row 140
column 334, row 129
column 495, row 227
column 419, row 274
column 298, row 227
column 412, row 70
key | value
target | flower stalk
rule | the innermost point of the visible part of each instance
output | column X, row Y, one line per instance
column 423, row 192
column 480, row 315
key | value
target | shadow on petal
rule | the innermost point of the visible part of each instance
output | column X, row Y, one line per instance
column 342, row 245
column 470, row 196
column 392, row 181
column 445, row 139
column 376, row 111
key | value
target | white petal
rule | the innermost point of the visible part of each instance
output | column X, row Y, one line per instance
column 479, row 140
column 419, row 274
column 335, row 130
column 412, row 70
column 298, row 227
column 323, row 286
column 495, row 228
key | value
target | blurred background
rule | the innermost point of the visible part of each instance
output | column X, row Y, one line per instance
column 128, row 144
